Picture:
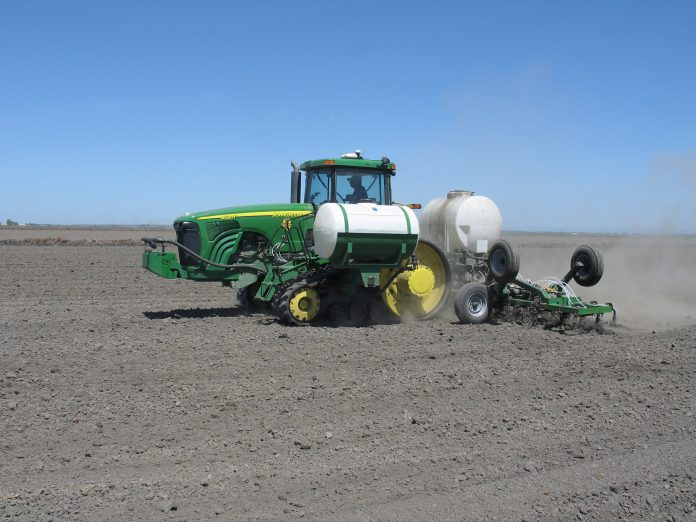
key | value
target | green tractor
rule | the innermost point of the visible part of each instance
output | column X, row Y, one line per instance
column 341, row 249
column 344, row 250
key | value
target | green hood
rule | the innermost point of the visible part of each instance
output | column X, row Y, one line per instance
column 278, row 210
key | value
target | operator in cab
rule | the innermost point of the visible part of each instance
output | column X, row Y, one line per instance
column 359, row 192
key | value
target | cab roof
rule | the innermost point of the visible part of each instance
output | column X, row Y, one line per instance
column 350, row 162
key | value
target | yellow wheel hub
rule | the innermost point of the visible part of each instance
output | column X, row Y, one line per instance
column 419, row 282
column 304, row 304
column 418, row 293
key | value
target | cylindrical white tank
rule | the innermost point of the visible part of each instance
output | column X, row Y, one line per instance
column 461, row 221
column 374, row 227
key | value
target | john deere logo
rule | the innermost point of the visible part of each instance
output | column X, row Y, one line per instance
column 286, row 224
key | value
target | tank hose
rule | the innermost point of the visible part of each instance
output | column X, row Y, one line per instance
column 152, row 243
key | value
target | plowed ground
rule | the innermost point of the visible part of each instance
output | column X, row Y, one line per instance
column 125, row 396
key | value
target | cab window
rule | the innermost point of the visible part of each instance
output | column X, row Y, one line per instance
column 346, row 185
column 318, row 189
column 354, row 186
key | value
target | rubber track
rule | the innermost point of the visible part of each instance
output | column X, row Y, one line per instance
column 281, row 300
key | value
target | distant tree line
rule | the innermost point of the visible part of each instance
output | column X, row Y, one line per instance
column 11, row 223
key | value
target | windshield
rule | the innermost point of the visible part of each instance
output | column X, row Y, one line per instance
column 349, row 186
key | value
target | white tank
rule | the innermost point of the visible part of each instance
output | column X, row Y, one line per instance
column 462, row 221
column 356, row 220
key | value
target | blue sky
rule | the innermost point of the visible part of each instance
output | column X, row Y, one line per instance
column 572, row 116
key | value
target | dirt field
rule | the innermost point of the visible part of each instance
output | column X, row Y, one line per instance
column 124, row 396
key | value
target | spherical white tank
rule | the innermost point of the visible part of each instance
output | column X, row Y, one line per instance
column 462, row 221
column 361, row 218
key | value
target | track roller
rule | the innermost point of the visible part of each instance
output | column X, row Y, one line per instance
column 299, row 304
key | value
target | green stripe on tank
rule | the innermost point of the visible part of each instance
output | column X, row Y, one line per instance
column 408, row 221
column 345, row 216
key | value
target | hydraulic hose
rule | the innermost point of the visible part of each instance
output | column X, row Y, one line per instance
column 152, row 243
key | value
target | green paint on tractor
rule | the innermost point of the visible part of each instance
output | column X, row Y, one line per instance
column 266, row 251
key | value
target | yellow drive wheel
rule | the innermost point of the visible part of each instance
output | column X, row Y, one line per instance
column 303, row 305
column 420, row 291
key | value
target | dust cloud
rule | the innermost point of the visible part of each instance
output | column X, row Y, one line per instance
column 682, row 164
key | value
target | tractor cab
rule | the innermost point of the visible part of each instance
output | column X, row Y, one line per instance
column 349, row 179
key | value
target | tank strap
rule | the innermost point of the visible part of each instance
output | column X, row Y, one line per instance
column 408, row 221
column 345, row 217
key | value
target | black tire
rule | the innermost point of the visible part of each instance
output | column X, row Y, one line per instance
column 503, row 262
column 472, row 303
column 243, row 299
column 592, row 266
column 339, row 314
column 380, row 314
column 348, row 313
column 246, row 296
column 358, row 313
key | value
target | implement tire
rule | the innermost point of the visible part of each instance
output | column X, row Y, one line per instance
column 472, row 303
column 503, row 262
column 592, row 266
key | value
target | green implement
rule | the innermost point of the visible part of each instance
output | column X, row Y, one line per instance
column 504, row 289
column 548, row 295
